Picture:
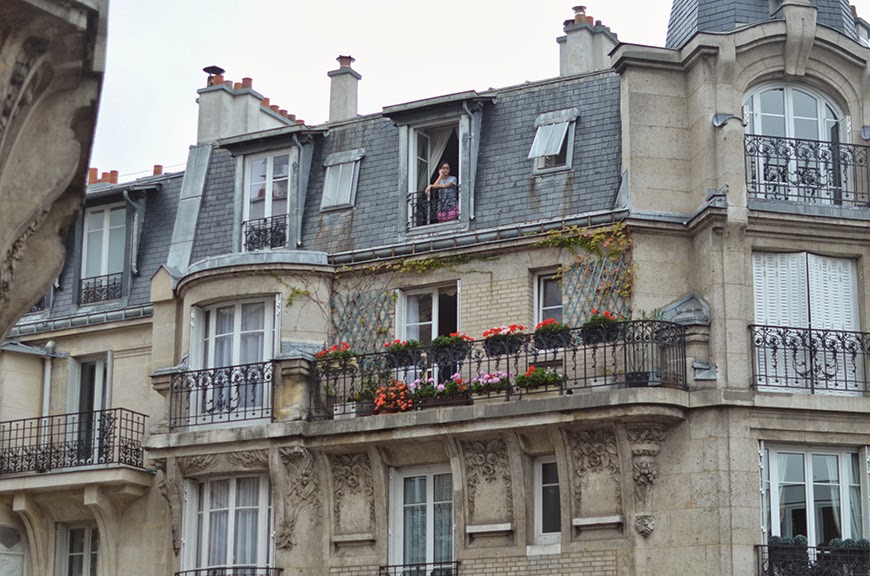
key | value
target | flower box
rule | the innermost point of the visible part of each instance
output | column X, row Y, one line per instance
column 554, row 339
column 642, row 379
column 450, row 354
column 593, row 335
column 403, row 358
column 457, row 399
column 501, row 345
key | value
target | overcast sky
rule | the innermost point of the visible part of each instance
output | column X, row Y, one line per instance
column 405, row 50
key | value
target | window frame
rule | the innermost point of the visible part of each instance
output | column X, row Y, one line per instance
column 753, row 110
column 198, row 522
column 63, row 552
column 546, row 164
column 541, row 537
column 105, row 240
column 337, row 162
column 396, row 505
column 202, row 352
column 540, row 279
column 434, row 292
column 268, row 201
column 770, row 497
column 457, row 170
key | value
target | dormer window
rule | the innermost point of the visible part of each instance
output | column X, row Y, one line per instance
column 103, row 246
column 433, row 148
column 554, row 138
column 342, row 175
column 265, row 210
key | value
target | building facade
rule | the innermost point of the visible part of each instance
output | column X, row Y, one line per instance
column 257, row 366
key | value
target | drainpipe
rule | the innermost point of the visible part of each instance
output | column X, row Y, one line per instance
column 46, row 376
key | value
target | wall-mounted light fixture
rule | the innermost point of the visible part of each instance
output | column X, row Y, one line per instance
column 865, row 132
column 720, row 118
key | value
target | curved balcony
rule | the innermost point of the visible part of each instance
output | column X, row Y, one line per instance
column 812, row 561
column 623, row 355
column 232, row 571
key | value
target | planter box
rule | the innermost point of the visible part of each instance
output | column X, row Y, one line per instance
column 642, row 379
column 593, row 335
column 550, row 340
column 461, row 399
column 499, row 345
column 449, row 355
column 365, row 408
column 404, row 358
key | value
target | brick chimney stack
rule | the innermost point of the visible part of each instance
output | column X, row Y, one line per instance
column 343, row 90
column 586, row 45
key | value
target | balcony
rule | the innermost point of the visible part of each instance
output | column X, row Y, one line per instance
column 807, row 171
column 430, row 569
column 100, row 288
column 265, row 233
column 111, row 436
column 232, row 571
column 623, row 355
column 219, row 395
column 425, row 208
column 809, row 561
column 809, row 360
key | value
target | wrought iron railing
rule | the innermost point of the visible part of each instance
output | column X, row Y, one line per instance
column 217, row 395
column 627, row 354
column 807, row 171
column 100, row 288
column 112, row 436
column 809, row 359
column 428, row 569
column 232, row 571
column 266, row 233
column 432, row 207
column 809, row 561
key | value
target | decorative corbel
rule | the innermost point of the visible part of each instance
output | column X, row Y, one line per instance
column 39, row 523
column 294, row 473
column 645, row 442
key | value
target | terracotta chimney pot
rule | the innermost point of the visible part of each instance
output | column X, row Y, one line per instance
column 218, row 79
column 282, row 112
column 345, row 61
column 158, row 169
column 300, row 122
column 579, row 14
column 105, row 177
column 590, row 20
column 265, row 102
column 247, row 82
column 113, row 176
column 228, row 83
column 237, row 86
column 92, row 175
column 274, row 107
column 291, row 117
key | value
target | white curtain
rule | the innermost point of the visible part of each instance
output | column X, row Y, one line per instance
column 438, row 139
column 414, row 533
column 443, row 494
column 218, row 522
column 831, row 489
column 247, row 499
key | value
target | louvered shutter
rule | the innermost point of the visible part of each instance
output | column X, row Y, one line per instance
column 780, row 287
column 189, row 523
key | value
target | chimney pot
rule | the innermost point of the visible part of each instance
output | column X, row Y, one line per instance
column 158, row 169
column 113, row 176
column 218, row 79
column 247, row 82
column 282, row 112
column 274, row 107
column 92, row 175
column 265, row 102
column 291, row 117
column 598, row 22
column 228, row 83
column 237, row 85
column 590, row 20
column 345, row 61
column 579, row 14
column 300, row 122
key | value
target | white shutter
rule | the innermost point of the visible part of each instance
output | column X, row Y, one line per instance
column 833, row 293
column 195, row 358
column 61, row 548
column 74, row 384
column 276, row 329
column 401, row 314
column 188, row 524
column 780, row 288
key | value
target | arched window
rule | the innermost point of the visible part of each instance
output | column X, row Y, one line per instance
column 798, row 149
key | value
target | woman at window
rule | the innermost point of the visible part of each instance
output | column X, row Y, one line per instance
column 448, row 196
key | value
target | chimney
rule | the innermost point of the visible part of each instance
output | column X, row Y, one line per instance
column 158, row 169
column 586, row 45
column 228, row 108
column 343, row 90
column 92, row 176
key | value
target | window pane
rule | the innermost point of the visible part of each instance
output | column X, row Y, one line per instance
column 117, row 239
column 827, row 513
column 414, row 520
column 117, row 217
column 791, row 468
column 549, row 473
column 94, row 256
column 825, row 468
column 345, row 182
column 257, row 188
column 225, row 320
column 280, row 166
column 806, row 129
column 855, row 510
column 443, row 545
column 279, row 193
column 77, row 541
column 551, row 519
column 792, row 511
column 95, row 547
column 443, row 487
column 805, row 106
column 773, row 126
column 247, row 500
column 773, row 102
column 253, row 316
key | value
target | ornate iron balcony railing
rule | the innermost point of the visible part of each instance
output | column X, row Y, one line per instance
column 428, row 569
column 111, row 436
column 810, row 561
column 100, row 288
column 809, row 359
column 807, row 171
column 232, row 571
column 216, row 395
column 265, row 233
column 627, row 354
column 433, row 207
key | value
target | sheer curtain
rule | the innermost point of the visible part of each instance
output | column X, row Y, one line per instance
column 438, row 138
column 827, row 495
column 219, row 501
column 443, row 496
column 247, row 499
column 414, row 529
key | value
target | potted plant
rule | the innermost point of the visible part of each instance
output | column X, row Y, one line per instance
column 540, row 378
column 403, row 353
column 491, row 384
column 504, row 339
column 451, row 349
column 787, row 555
column 364, row 398
column 451, row 392
column 600, row 327
column 393, row 397
column 551, row 334
column 336, row 358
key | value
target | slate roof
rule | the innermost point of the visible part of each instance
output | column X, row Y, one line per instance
column 691, row 16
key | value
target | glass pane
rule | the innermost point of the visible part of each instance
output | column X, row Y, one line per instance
column 552, row 293
column 854, row 470
column 792, row 511
column 805, row 106
column 827, row 513
column 825, row 468
column 857, row 526
column 806, row 129
column 217, row 538
column 443, row 487
column 791, row 468
column 258, row 201
column 246, row 537
column 117, row 217
column 330, row 186
column 422, row 174
column 279, row 192
column 280, row 166
column 225, row 316
column 77, row 541
column 415, row 490
column 414, row 521
column 551, row 520
column 94, row 257
column 251, row 348
column 345, row 181
column 420, row 308
column 76, row 565
column 549, row 473
column 772, row 102
column 443, row 544
column 773, row 126
column 117, row 240
column 248, row 492
column 94, row 220
column 95, row 547
column 258, row 171
column 253, row 316
column 220, row 494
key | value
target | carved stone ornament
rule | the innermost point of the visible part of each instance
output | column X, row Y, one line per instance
column 249, row 459
column 645, row 441
column 644, row 524
column 194, row 465
column 298, row 490
column 168, row 488
column 486, row 461
column 352, row 477
column 594, row 451
column 230, row 462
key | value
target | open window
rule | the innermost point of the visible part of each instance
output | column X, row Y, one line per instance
column 340, row 180
column 554, row 140
column 104, row 243
column 548, row 298
column 426, row 314
column 264, row 214
column 434, row 147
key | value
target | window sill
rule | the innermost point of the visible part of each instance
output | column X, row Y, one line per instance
column 438, row 228
column 544, row 549
column 548, row 171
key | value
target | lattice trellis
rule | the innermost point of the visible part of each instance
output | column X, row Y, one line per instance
column 363, row 319
column 594, row 282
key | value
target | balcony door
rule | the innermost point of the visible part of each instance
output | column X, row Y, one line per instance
column 421, row 521
column 806, row 310
column 792, row 151
column 87, row 426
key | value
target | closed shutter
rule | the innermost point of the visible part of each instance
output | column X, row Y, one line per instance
column 190, row 509
column 196, row 359
column 74, row 384
column 276, row 330
column 780, row 287
column 833, row 293
column 61, row 547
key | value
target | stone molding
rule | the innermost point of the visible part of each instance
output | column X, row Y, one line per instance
column 594, row 451
column 296, row 470
column 228, row 462
column 645, row 442
column 351, row 479
column 169, row 484
column 486, row 462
